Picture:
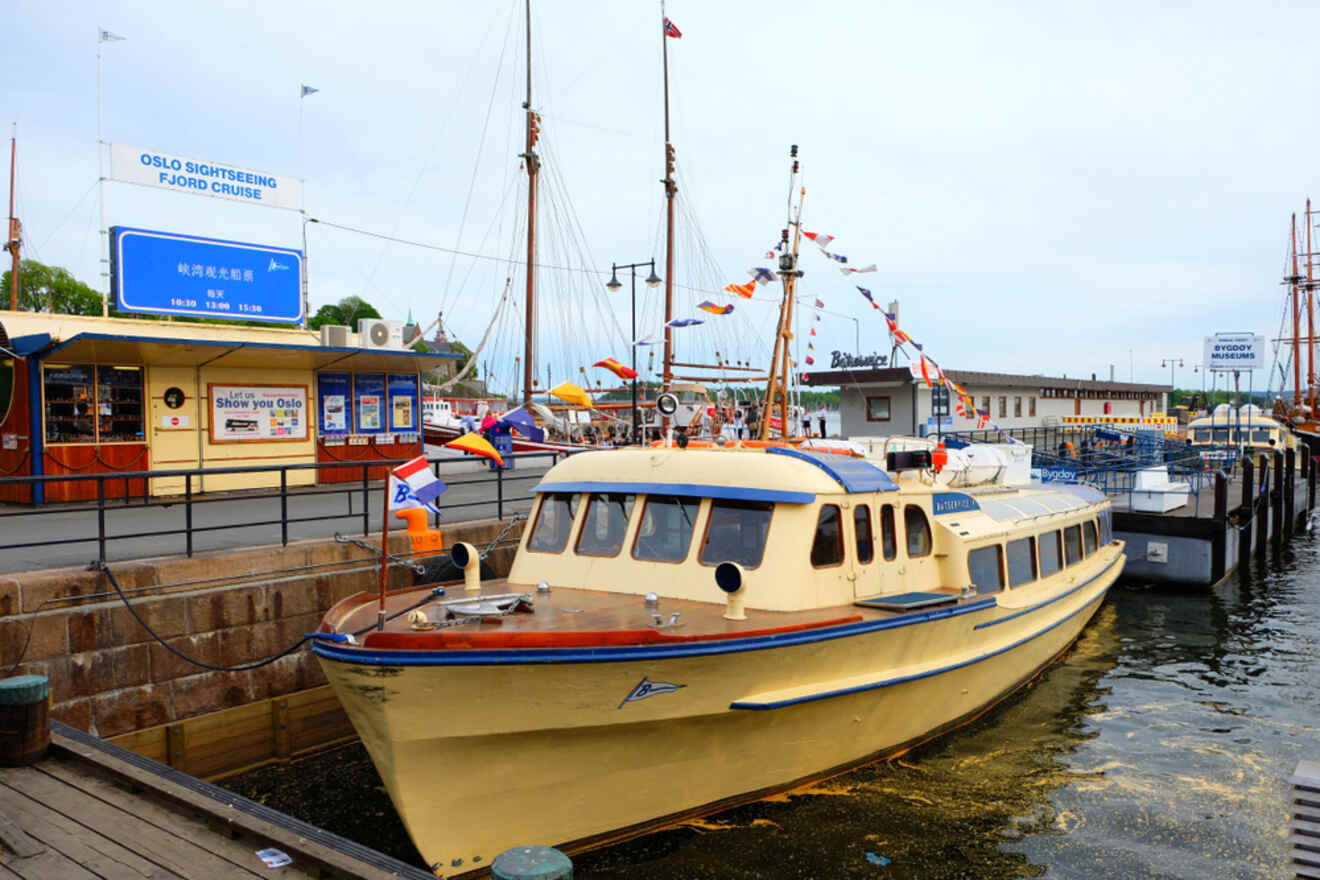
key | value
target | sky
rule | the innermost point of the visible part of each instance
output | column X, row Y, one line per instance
column 1051, row 188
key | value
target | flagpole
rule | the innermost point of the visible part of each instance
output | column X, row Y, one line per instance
column 670, row 190
column 100, row 180
column 384, row 555
column 302, row 176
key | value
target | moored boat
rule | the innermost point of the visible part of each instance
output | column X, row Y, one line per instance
column 685, row 629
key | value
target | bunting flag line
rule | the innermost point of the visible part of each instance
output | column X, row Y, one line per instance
column 522, row 420
column 760, row 274
column 866, row 293
column 820, row 304
column 671, row 31
column 617, row 368
column 650, row 339
column 570, row 393
column 901, row 337
column 852, row 271
column 708, row 306
column 810, row 359
column 818, row 317
column 769, row 255
column 743, row 290
column 892, row 321
column 685, row 322
column 478, row 445
column 924, row 374
column 820, row 239
column 813, row 331
column 838, row 258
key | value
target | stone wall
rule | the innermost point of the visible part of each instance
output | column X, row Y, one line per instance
column 109, row 676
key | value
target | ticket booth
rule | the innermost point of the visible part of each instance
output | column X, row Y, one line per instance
column 93, row 396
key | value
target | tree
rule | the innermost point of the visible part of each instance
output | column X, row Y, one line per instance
column 43, row 288
column 348, row 311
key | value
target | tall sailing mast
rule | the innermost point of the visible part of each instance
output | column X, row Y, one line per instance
column 776, row 388
column 13, row 242
column 1310, row 317
column 1295, row 281
column 671, row 189
column 533, row 165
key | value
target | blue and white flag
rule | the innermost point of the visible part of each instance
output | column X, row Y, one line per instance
column 308, row 90
column 104, row 36
column 647, row 688
column 685, row 322
column 413, row 485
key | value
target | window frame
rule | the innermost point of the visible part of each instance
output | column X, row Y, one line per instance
column 1089, row 530
column 94, row 415
column 1031, row 407
column 858, row 512
column 582, row 530
column 999, row 568
column 1057, row 537
column 1067, row 561
column 889, row 407
column 1031, row 558
column 888, row 529
column 710, row 516
column 687, row 552
column 536, row 521
column 838, row 543
column 930, row 534
column 1003, row 406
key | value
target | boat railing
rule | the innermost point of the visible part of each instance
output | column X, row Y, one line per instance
column 305, row 499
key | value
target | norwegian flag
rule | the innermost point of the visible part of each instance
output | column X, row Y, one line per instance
column 671, row 31
column 821, row 239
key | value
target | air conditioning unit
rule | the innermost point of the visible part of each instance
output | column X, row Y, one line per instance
column 334, row 336
column 375, row 333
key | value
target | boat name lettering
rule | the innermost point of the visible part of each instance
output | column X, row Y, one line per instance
column 842, row 359
column 647, row 688
column 953, row 502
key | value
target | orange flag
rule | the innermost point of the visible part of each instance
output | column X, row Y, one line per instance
column 743, row 290
column 477, row 445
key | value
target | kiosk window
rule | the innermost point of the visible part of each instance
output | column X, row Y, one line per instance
column 554, row 521
column 865, row 541
column 119, row 404
column 827, row 546
column 735, row 532
column 605, row 523
column 666, row 529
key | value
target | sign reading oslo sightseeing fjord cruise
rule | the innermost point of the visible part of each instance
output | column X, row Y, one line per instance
column 168, row 274
column 1235, row 351
column 257, row 412
column 215, row 179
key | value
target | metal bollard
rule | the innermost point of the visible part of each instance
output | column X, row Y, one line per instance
column 531, row 863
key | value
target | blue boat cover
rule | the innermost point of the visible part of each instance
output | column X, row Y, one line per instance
column 853, row 474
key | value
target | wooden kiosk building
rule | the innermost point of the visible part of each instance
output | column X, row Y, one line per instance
column 90, row 395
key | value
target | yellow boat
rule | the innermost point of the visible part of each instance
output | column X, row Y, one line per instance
column 686, row 629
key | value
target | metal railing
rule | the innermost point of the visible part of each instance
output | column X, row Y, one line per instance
column 495, row 488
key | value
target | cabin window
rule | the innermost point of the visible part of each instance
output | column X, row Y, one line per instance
column 984, row 569
column 877, row 409
column 554, row 521
column 1088, row 536
column 1072, row 544
column 827, row 546
column 1260, row 436
column 865, row 540
column 888, row 533
column 1021, row 561
column 604, row 524
column 918, row 531
column 1050, row 558
column 735, row 532
column 1106, row 528
column 666, row 529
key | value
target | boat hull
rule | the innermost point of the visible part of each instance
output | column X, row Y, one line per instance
column 480, row 753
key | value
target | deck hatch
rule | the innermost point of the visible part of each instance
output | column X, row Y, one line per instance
column 853, row 474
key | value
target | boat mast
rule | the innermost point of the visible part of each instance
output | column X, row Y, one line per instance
column 1294, row 280
column 12, row 244
column 533, row 165
column 1310, row 318
column 671, row 189
column 776, row 384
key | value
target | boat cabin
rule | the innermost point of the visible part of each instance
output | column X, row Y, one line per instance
column 1247, row 426
column 807, row 529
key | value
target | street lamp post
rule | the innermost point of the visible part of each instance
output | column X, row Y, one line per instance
column 613, row 285
column 1171, row 363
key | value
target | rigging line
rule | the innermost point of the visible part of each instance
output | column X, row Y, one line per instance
column 426, row 163
column 69, row 215
column 476, row 162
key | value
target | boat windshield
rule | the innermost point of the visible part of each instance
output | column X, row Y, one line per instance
column 666, row 529
column 553, row 522
column 736, row 532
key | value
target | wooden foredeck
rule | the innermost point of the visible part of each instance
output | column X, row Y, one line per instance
column 90, row 810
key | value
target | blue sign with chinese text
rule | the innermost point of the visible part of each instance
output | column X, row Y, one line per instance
column 163, row 273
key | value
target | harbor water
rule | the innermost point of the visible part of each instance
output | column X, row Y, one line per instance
column 1159, row 747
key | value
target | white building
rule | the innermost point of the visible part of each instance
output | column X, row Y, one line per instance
column 889, row 400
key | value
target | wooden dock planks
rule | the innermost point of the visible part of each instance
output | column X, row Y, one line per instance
column 87, row 827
